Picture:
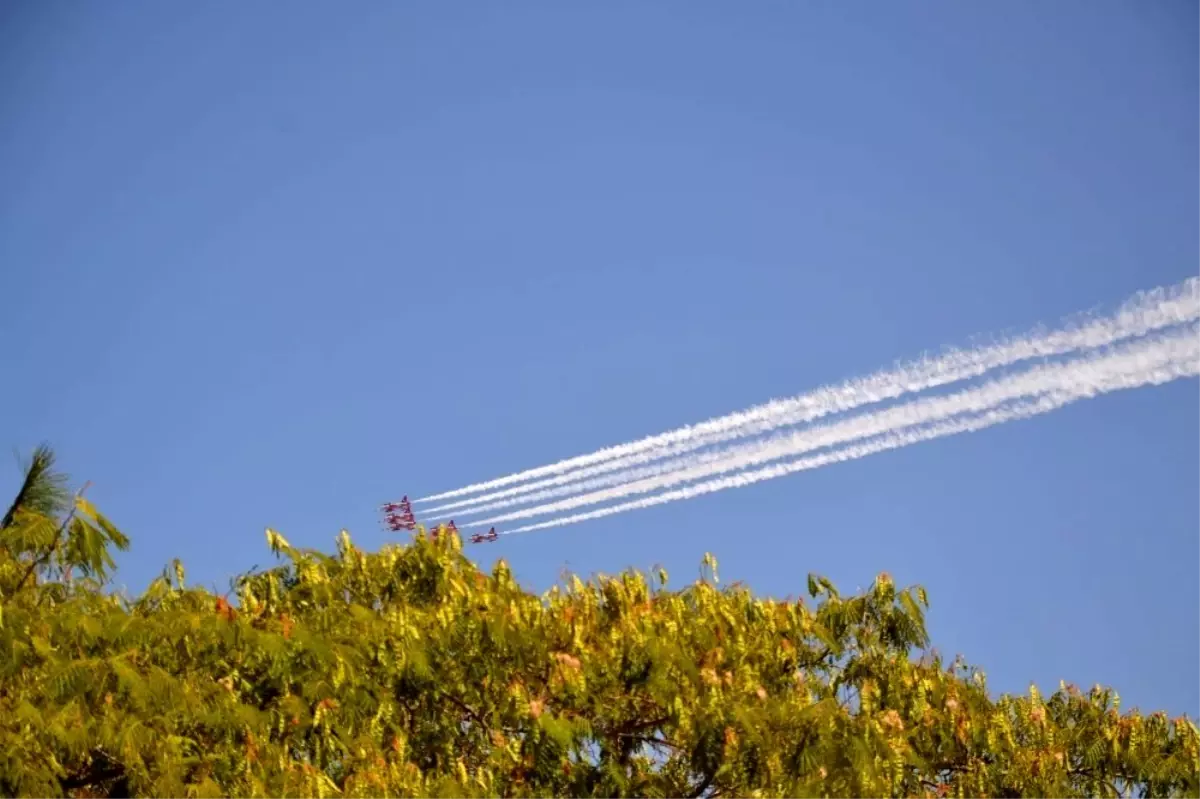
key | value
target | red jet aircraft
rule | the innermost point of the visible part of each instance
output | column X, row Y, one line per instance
column 490, row 535
column 403, row 506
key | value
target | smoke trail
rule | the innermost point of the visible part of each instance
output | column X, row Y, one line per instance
column 1186, row 367
column 1141, row 314
column 1121, row 359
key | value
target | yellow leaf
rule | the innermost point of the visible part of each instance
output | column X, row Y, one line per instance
column 84, row 507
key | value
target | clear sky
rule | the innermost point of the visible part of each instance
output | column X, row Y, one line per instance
column 273, row 264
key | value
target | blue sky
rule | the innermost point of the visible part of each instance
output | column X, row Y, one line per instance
column 274, row 268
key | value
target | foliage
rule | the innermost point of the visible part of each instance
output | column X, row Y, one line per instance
column 43, row 490
column 410, row 672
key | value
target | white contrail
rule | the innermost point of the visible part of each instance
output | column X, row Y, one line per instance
column 1141, row 314
column 1120, row 359
column 1023, row 409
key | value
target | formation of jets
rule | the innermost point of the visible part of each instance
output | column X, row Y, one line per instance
column 399, row 516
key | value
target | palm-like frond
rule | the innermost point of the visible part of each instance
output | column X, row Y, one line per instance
column 43, row 490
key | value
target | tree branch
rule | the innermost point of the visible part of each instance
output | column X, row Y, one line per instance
column 478, row 719
column 649, row 739
column 43, row 559
column 111, row 769
column 702, row 787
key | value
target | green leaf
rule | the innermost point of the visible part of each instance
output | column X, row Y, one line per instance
column 910, row 606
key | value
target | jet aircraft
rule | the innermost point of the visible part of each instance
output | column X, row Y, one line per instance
column 490, row 535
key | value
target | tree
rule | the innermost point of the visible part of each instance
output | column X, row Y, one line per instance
column 410, row 672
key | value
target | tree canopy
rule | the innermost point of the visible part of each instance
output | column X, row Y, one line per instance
column 411, row 672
